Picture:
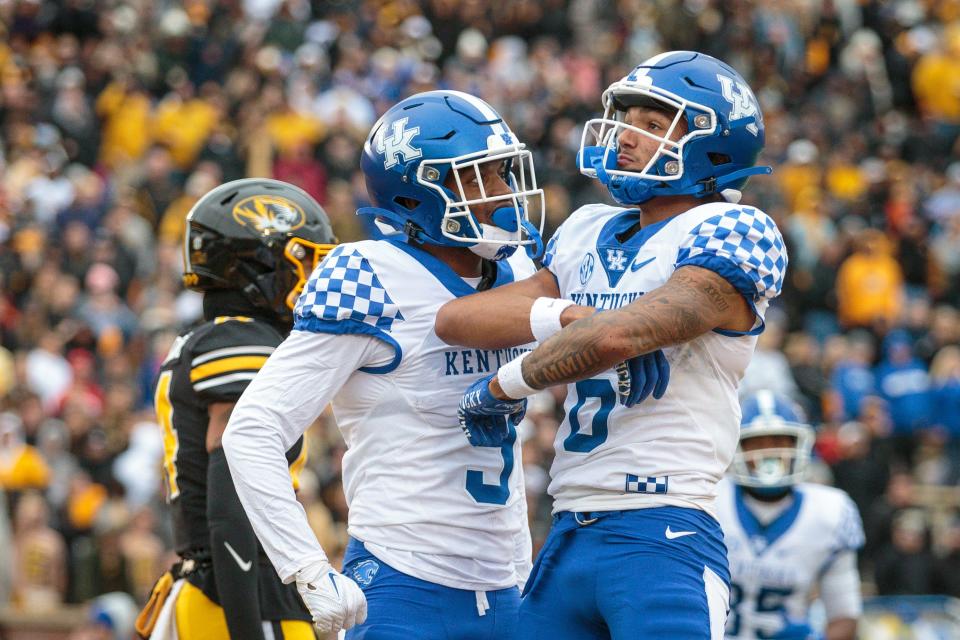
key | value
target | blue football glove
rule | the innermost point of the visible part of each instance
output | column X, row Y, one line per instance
column 487, row 420
column 638, row 377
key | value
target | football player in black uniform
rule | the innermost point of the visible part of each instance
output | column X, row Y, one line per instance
column 250, row 246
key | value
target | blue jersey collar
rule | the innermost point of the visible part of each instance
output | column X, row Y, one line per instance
column 621, row 223
column 771, row 532
column 616, row 256
column 447, row 276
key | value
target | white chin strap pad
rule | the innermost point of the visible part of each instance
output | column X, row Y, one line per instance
column 731, row 195
column 494, row 247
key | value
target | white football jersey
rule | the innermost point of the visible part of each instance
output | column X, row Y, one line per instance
column 774, row 568
column 674, row 450
column 421, row 497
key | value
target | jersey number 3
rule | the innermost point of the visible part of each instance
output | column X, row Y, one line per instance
column 494, row 493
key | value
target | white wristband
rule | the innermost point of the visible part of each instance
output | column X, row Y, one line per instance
column 510, row 377
column 545, row 316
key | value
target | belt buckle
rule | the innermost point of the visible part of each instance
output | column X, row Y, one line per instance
column 583, row 523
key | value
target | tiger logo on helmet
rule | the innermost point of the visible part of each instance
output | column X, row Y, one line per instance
column 259, row 236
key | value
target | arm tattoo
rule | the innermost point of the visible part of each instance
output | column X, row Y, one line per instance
column 572, row 354
column 692, row 302
column 716, row 297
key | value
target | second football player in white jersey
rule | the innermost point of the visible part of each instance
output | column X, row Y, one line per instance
column 439, row 540
column 682, row 278
column 786, row 539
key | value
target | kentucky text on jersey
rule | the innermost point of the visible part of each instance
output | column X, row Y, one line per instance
column 777, row 575
column 605, row 300
column 471, row 361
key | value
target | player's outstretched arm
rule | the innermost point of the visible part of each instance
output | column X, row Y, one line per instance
column 692, row 302
column 282, row 401
column 500, row 318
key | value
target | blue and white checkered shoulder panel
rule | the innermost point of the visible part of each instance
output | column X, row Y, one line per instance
column 345, row 287
column 748, row 238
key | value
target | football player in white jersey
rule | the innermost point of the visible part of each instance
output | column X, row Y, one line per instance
column 786, row 538
column 682, row 276
column 439, row 538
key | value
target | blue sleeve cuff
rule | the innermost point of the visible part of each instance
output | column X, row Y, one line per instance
column 738, row 278
column 341, row 327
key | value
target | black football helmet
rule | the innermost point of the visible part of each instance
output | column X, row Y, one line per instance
column 258, row 236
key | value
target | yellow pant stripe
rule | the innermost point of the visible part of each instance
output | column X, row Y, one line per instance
column 297, row 630
column 199, row 618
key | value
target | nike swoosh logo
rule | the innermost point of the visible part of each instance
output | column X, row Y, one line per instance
column 244, row 566
column 636, row 266
column 672, row 535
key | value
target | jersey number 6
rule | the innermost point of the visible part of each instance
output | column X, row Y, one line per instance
column 586, row 389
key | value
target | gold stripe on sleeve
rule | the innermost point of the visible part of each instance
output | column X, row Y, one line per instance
column 226, row 365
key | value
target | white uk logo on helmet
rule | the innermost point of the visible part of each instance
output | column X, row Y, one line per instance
column 398, row 144
column 740, row 96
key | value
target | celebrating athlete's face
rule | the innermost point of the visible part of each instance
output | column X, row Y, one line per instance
column 780, row 443
column 635, row 150
column 493, row 176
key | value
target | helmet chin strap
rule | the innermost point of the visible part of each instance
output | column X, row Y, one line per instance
column 504, row 229
column 534, row 250
column 629, row 191
column 493, row 250
column 384, row 217
column 624, row 190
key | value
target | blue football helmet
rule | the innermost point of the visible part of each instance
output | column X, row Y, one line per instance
column 768, row 470
column 724, row 130
column 416, row 161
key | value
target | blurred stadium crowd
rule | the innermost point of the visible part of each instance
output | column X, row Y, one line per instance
column 116, row 116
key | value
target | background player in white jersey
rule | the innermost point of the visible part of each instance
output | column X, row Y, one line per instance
column 683, row 277
column 786, row 538
column 439, row 538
